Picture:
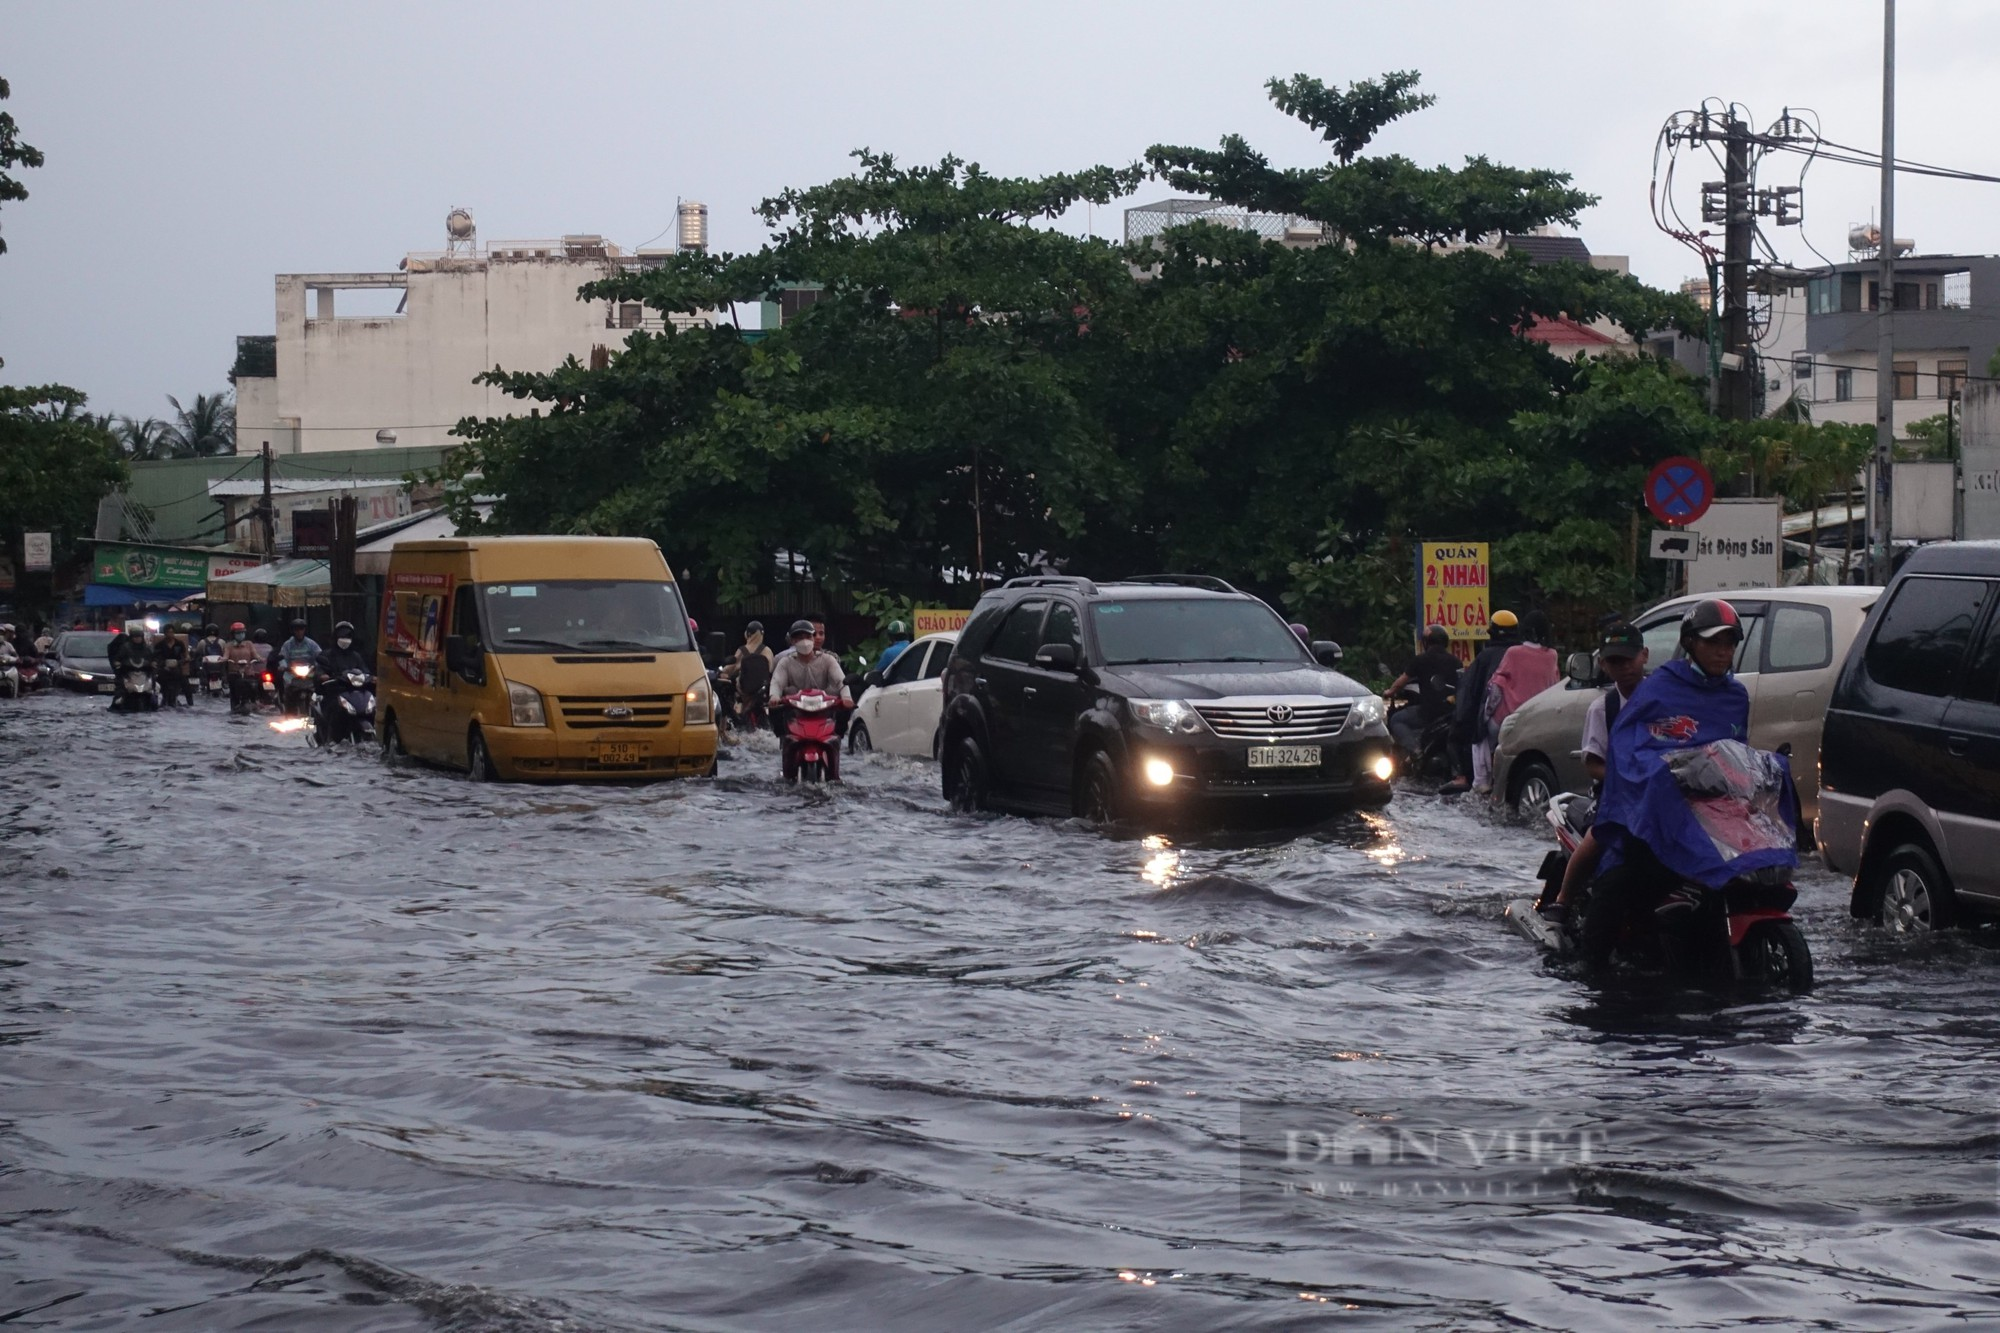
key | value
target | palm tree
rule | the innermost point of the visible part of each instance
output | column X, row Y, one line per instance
column 202, row 430
column 142, row 441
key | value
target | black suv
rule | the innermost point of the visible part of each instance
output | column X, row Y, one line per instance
column 1154, row 694
column 1909, row 800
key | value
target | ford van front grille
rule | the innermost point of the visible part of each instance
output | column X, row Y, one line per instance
column 597, row 712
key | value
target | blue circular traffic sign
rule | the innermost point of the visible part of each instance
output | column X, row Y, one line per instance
column 1679, row 491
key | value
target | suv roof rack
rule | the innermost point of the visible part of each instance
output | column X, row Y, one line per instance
column 1052, row 581
column 1205, row 581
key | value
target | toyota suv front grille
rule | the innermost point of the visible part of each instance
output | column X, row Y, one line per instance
column 1275, row 719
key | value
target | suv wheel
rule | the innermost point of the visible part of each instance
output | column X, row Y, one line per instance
column 1100, row 797
column 1908, row 893
column 969, row 776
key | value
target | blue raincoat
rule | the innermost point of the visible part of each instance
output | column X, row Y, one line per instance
column 1677, row 708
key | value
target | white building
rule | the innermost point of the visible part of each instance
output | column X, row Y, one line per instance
column 329, row 380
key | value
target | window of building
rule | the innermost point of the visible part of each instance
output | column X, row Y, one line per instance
column 629, row 314
column 1924, row 634
column 1823, row 295
column 1843, row 386
column 1930, row 296
column 1906, row 380
column 1909, row 296
column 1850, row 293
column 1802, row 365
column 1951, row 378
column 1955, row 291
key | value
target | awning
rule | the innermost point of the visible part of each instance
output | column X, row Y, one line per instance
column 281, row 583
column 115, row 594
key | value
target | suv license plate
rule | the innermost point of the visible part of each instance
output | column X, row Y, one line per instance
column 621, row 752
column 1284, row 756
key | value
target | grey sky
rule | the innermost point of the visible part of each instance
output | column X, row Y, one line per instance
column 194, row 150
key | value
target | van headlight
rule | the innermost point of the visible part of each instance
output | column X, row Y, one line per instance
column 1368, row 711
column 1168, row 715
column 700, row 703
column 525, row 702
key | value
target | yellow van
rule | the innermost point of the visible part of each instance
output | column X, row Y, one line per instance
column 541, row 657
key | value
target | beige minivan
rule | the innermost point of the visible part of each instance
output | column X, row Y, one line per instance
column 1794, row 642
column 542, row 657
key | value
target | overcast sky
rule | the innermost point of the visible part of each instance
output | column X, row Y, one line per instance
column 196, row 149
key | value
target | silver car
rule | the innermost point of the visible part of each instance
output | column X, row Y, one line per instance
column 1794, row 642
column 77, row 660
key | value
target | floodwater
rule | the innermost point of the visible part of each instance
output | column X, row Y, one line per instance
column 292, row 1040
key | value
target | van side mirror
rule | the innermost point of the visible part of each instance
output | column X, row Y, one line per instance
column 1583, row 668
column 1056, row 657
column 1327, row 653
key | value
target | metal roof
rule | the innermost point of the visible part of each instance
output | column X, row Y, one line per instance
column 175, row 491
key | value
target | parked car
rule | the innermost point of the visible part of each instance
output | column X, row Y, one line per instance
column 1794, row 641
column 1151, row 696
column 1910, row 769
column 79, row 660
column 900, row 713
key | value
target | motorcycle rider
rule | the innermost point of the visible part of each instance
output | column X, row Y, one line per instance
column 210, row 645
column 170, row 662
column 899, row 639
column 750, row 668
column 1654, row 847
column 297, row 648
column 1621, row 656
column 127, row 651
column 1433, row 671
column 332, row 665
column 243, row 663
column 805, row 667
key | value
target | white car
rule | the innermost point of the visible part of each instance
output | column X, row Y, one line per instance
column 900, row 715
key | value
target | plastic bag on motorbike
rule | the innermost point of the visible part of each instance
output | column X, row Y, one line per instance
column 1736, row 792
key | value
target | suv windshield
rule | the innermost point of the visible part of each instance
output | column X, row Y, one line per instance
column 1192, row 629
column 584, row 616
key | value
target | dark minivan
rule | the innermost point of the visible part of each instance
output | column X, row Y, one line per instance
column 1910, row 762
column 1160, row 695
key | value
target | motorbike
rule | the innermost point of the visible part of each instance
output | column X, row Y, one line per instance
column 137, row 691
column 344, row 710
column 1432, row 758
column 295, row 689
column 213, row 673
column 812, row 732
column 10, row 677
column 1743, row 932
column 725, row 703
column 34, row 674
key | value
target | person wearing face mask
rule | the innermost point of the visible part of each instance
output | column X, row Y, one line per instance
column 330, row 671
column 242, row 662
column 805, row 667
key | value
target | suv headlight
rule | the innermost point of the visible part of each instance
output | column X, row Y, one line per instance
column 1368, row 711
column 700, row 703
column 526, row 704
column 1168, row 715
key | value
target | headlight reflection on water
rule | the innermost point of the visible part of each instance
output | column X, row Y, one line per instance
column 290, row 724
column 1384, row 850
column 1163, row 864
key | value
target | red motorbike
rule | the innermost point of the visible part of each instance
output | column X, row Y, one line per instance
column 810, row 739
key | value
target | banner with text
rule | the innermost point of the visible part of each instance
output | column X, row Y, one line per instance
column 933, row 620
column 1452, row 589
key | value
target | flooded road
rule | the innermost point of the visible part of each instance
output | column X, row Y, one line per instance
column 292, row 1040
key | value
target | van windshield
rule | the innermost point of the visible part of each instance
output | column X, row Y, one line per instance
column 584, row 616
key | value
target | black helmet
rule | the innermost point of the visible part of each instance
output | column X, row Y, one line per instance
column 211, row 630
column 1710, row 619
column 298, row 624
column 1437, row 637
column 344, row 627
column 754, row 627
column 800, row 629
column 260, row 637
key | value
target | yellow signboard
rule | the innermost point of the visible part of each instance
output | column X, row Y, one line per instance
column 933, row 620
column 1452, row 584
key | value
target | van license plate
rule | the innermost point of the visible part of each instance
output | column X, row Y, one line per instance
column 1284, row 756
column 621, row 752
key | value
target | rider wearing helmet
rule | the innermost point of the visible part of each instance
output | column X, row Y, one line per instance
column 806, row 667
column 1474, row 752
column 242, row 661
column 296, row 648
column 345, row 655
column 899, row 639
column 750, row 668
column 1434, row 673
column 1653, row 846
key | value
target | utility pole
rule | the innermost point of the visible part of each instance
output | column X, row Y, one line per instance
column 1881, row 495
column 1738, row 361
column 264, row 510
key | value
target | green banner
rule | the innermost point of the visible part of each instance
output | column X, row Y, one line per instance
column 149, row 566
